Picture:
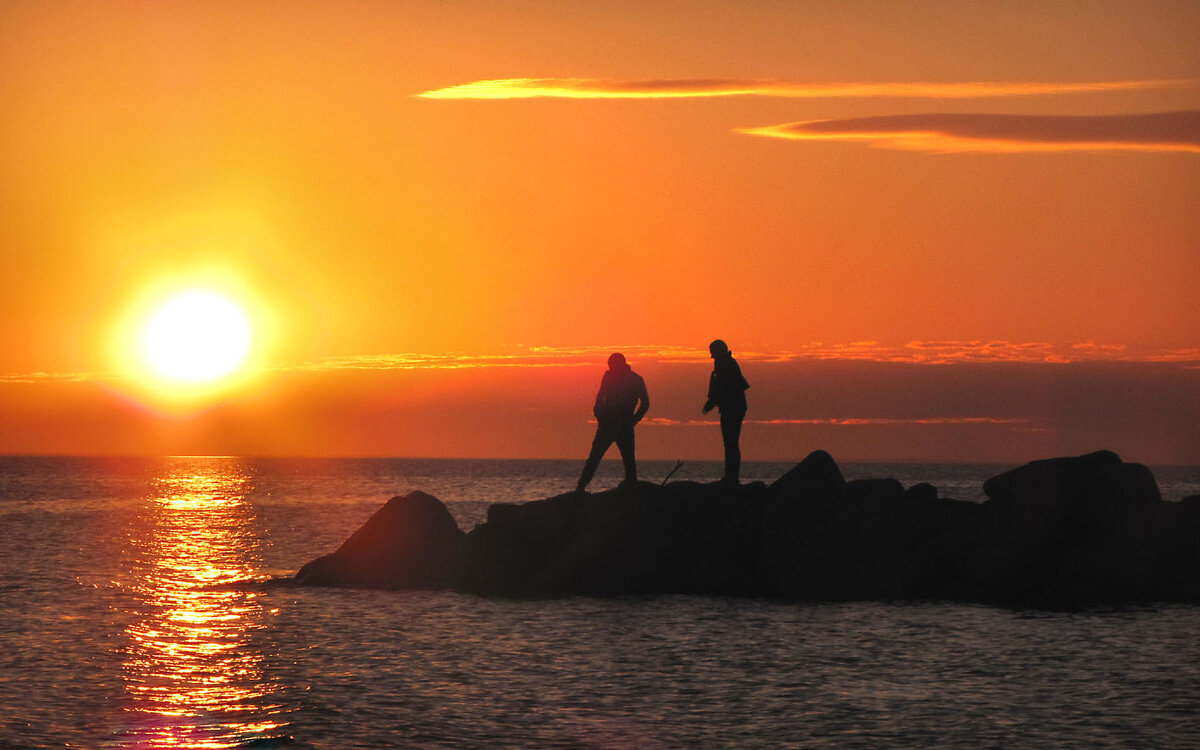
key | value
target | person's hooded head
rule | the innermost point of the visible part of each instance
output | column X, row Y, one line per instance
column 616, row 362
column 718, row 349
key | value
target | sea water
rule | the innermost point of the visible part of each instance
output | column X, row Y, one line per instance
column 137, row 610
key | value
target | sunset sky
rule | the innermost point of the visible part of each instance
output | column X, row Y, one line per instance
column 928, row 230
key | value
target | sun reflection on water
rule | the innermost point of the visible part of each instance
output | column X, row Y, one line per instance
column 194, row 671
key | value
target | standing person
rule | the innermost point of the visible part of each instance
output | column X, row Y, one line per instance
column 620, row 404
column 727, row 392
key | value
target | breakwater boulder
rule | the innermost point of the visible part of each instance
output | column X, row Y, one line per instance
column 408, row 543
column 1060, row 532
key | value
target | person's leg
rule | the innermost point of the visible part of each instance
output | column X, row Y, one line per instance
column 625, row 445
column 731, row 431
column 600, row 443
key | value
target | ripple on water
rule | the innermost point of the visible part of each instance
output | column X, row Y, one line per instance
column 677, row 671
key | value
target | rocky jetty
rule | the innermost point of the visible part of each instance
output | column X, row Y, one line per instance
column 1060, row 532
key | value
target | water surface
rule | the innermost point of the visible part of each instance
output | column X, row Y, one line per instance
column 134, row 612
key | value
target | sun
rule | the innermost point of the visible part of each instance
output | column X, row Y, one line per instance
column 195, row 336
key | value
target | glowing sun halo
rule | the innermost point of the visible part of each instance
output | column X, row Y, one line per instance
column 196, row 336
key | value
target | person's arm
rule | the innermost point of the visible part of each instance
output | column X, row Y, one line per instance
column 643, row 401
column 600, row 397
column 712, row 393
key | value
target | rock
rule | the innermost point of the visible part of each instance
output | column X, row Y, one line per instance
column 876, row 542
column 1051, row 475
column 795, row 560
column 408, row 543
column 816, row 477
column 639, row 539
column 923, row 492
column 1181, row 563
column 1123, row 487
column 1071, row 529
column 1059, row 532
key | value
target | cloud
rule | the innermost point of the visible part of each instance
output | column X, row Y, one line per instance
column 944, row 352
column 914, row 352
column 536, row 356
column 412, row 361
column 689, row 88
column 1094, row 348
column 1188, row 355
column 938, row 132
column 55, row 377
column 959, row 351
column 846, row 421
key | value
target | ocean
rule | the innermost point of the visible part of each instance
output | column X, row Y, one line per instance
column 137, row 610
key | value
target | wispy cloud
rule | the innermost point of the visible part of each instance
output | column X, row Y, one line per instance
column 688, row 88
column 55, row 377
column 940, row 352
column 1092, row 347
column 409, row 361
column 847, row 421
column 536, row 356
column 916, row 352
column 942, row 132
column 943, row 352
column 1189, row 354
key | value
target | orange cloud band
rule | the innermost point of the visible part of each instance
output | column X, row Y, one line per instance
column 689, row 88
column 946, row 133
column 913, row 352
column 535, row 356
column 56, row 377
column 846, row 421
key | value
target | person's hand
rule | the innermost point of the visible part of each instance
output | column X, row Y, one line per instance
column 708, row 406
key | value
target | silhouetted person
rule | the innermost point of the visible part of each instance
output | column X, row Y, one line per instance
column 620, row 404
column 727, row 392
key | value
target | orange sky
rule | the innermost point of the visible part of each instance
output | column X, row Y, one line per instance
column 948, row 175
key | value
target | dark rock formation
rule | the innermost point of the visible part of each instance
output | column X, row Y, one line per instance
column 408, row 543
column 1059, row 532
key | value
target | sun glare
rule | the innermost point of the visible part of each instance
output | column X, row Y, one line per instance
column 195, row 336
